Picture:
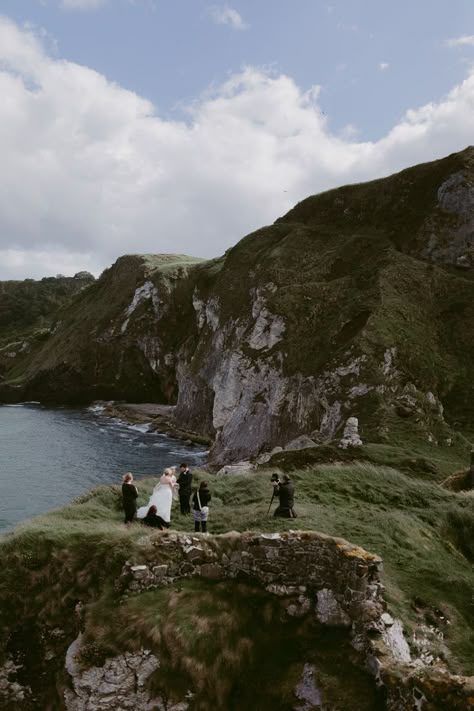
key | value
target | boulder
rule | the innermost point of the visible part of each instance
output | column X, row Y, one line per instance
column 238, row 468
column 351, row 437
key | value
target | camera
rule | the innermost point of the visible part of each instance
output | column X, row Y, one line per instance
column 275, row 478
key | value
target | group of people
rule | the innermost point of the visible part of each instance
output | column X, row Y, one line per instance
column 157, row 512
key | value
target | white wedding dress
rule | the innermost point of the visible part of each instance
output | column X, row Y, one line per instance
column 162, row 498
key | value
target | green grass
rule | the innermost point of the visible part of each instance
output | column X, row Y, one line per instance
column 228, row 643
column 423, row 533
column 29, row 305
column 407, row 453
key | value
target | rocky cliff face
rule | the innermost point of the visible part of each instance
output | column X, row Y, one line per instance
column 360, row 301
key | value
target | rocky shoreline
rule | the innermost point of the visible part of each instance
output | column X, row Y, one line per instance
column 160, row 418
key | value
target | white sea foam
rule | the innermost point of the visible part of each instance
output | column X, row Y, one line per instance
column 145, row 427
column 96, row 408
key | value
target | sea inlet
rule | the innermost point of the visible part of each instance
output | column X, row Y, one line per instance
column 51, row 455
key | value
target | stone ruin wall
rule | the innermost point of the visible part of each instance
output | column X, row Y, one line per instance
column 320, row 578
column 334, row 581
column 337, row 582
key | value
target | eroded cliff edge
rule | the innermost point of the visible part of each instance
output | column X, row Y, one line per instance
column 295, row 620
column 360, row 301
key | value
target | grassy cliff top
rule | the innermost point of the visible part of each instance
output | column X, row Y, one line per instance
column 423, row 533
column 161, row 262
column 396, row 205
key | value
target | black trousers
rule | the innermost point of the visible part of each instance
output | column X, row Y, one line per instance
column 184, row 502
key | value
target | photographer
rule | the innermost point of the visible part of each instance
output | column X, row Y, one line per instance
column 285, row 491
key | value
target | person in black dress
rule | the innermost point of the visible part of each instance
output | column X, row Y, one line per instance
column 185, row 481
column 152, row 519
column 129, row 497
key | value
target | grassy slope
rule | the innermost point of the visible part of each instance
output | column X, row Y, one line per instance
column 91, row 314
column 28, row 310
column 89, row 356
column 29, row 305
column 424, row 534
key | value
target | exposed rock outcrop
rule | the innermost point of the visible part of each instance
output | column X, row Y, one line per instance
column 119, row 684
column 351, row 437
column 336, row 310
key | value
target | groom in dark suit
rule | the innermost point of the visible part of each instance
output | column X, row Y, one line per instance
column 185, row 481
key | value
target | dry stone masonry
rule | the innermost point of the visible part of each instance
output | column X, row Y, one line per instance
column 317, row 578
column 328, row 579
column 336, row 580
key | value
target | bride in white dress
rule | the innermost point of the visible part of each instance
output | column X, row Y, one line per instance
column 162, row 496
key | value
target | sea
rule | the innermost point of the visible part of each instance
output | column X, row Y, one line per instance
column 48, row 456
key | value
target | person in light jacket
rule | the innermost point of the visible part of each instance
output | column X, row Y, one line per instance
column 201, row 498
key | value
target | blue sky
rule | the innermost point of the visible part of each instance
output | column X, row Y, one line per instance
column 170, row 51
column 180, row 125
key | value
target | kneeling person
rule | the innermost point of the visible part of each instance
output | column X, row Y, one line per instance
column 152, row 519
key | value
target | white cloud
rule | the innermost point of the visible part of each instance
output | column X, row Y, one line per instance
column 463, row 41
column 383, row 66
column 227, row 16
column 349, row 131
column 82, row 4
column 89, row 171
column 148, row 4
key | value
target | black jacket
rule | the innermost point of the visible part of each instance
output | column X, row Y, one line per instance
column 204, row 496
column 129, row 496
column 185, row 481
column 155, row 521
column 286, row 494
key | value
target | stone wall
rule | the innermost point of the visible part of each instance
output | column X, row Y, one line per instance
column 325, row 578
column 317, row 578
column 337, row 582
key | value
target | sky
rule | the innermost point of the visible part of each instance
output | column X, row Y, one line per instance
column 180, row 126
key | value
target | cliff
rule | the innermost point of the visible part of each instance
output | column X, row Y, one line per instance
column 102, row 617
column 360, row 301
column 27, row 312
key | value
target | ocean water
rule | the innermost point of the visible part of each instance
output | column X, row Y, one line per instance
column 48, row 456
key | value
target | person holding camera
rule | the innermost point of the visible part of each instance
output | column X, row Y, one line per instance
column 285, row 490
